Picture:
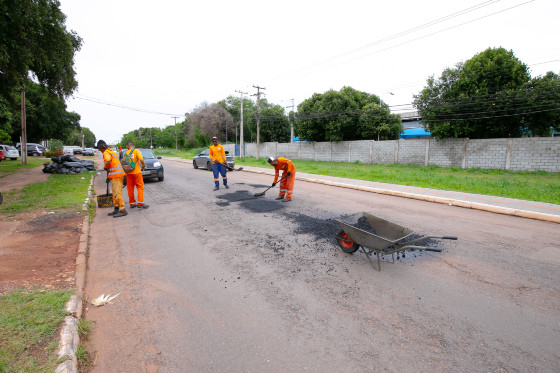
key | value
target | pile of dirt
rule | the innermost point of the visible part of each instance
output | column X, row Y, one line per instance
column 39, row 250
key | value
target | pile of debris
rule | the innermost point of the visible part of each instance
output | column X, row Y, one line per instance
column 69, row 165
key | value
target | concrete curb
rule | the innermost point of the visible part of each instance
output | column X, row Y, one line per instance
column 447, row 201
column 69, row 336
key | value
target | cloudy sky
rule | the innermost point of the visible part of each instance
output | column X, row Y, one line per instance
column 143, row 63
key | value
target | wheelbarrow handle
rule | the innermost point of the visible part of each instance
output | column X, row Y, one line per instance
column 449, row 238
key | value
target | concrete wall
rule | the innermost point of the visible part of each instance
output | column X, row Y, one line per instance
column 520, row 154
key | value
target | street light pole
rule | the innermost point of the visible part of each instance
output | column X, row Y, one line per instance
column 176, row 148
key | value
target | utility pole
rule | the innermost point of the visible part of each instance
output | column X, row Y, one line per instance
column 258, row 94
column 292, row 122
column 241, row 148
column 175, row 132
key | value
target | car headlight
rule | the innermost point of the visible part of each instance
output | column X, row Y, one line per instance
column 157, row 164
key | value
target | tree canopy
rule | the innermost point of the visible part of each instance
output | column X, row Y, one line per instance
column 33, row 38
column 206, row 121
column 346, row 115
column 491, row 95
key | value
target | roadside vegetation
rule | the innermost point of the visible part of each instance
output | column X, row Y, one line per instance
column 537, row 186
column 31, row 319
column 28, row 336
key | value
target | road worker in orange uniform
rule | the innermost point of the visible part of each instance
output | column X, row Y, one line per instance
column 134, row 178
column 287, row 183
column 217, row 155
column 115, row 174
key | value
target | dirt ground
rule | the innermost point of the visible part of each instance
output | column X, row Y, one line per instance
column 37, row 249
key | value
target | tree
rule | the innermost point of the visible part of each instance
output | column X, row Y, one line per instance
column 543, row 97
column 76, row 136
column 46, row 114
column 274, row 124
column 345, row 115
column 491, row 95
column 233, row 105
column 206, row 121
column 34, row 39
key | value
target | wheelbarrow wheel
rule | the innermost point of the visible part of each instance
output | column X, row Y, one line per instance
column 345, row 244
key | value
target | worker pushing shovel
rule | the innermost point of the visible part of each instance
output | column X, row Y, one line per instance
column 288, row 177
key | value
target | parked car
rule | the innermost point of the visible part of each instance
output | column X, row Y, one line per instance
column 10, row 152
column 32, row 149
column 89, row 151
column 2, row 156
column 203, row 160
column 77, row 150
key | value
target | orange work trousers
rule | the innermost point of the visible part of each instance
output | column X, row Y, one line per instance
column 135, row 180
column 287, row 186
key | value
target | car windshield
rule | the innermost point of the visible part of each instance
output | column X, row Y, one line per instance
column 147, row 153
column 11, row 148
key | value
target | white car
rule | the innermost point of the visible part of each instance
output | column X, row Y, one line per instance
column 10, row 152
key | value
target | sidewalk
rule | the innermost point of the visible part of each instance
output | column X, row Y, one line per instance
column 507, row 206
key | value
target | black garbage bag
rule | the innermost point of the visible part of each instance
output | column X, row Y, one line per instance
column 68, row 165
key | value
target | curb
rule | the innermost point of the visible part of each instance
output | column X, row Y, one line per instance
column 69, row 337
column 447, row 201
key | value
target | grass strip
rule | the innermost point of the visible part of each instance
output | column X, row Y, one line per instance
column 8, row 167
column 28, row 338
column 59, row 193
column 537, row 186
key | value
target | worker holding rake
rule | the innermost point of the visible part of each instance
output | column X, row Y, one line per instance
column 115, row 174
column 288, row 177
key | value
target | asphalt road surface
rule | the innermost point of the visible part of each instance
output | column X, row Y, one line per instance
column 226, row 282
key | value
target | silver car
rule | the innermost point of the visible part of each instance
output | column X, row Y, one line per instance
column 10, row 152
column 203, row 160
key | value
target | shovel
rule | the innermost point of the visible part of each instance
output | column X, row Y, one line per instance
column 231, row 168
column 266, row 190
column 105, row 200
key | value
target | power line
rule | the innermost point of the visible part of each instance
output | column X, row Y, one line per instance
column 98, row 101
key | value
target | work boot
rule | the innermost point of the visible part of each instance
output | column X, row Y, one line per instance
column 279, row 198
column 144, row 206
column 120, row 213
column 116, row 209
column 216, row 188
column 132, row 206
column 286, row 200
column 227, row 186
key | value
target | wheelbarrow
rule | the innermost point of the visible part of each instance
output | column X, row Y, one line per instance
column 389, row 238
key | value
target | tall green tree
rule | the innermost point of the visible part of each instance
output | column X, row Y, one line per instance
column 34, row 40
column 489, row 96
column 542, row 96
column 233, row 105
column 77, row 135
column 345, row 115
column 274, row 123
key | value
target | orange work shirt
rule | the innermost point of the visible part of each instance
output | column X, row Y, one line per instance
column 112, row 164
column 217, row 154
column 136, row 156
column 285, row 165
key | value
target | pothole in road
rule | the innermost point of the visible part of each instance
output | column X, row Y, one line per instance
column 249, row 201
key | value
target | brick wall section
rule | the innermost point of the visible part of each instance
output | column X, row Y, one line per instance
column 359, row 151
column 383, row 152
column 537, row 153
column 521, row 154
column 487, row 153
column 341, row 151
column 412, row 152
column 323, row 151
column 446, row 153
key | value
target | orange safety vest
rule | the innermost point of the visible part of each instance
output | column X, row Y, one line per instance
column 285, row 165
column 112, row 164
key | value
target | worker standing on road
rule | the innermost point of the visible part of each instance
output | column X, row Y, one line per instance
column 115, row 174
column 134, row 178
column 217, row 156
column 288, row 177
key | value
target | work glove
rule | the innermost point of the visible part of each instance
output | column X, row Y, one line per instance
column 289, row 173
column 273, row 184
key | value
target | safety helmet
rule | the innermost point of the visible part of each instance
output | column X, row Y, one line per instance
column 271, row 159
column 214, row 138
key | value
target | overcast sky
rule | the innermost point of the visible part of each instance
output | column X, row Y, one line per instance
column 144, row 62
